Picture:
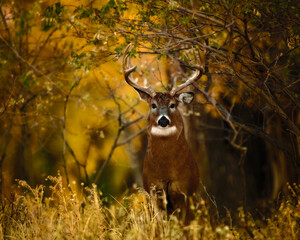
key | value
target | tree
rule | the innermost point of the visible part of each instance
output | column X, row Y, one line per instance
column 249, row 53
column 48, row 82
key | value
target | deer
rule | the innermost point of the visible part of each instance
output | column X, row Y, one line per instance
column 169, row 168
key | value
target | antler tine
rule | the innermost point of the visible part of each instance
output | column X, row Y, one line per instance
column 197, row 74
column 127, row 71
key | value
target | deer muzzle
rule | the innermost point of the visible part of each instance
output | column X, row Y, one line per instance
column 163, row 121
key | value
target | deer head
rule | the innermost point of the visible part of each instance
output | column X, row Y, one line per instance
column 164, row 118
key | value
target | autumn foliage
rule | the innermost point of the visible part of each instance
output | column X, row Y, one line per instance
column 65, row 107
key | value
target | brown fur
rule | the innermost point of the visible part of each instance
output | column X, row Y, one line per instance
column 169, row 166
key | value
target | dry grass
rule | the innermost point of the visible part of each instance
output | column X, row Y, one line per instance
column 65, row 215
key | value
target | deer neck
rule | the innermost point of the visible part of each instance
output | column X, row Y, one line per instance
column 169, row 140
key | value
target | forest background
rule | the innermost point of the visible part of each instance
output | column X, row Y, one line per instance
column 64, row 104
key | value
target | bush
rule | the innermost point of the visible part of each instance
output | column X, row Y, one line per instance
column 70, row 214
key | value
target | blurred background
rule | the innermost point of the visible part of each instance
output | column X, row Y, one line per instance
column 65, row 107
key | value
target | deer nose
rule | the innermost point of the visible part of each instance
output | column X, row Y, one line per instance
column 163, row 121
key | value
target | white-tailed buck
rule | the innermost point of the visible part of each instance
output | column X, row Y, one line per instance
column 168, row 166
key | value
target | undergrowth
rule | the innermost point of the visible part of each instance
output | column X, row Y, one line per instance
column 67, row 215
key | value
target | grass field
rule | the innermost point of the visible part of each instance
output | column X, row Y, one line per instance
column 66, row 215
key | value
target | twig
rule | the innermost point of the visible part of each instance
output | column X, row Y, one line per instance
column 131, row 137
column 6, row 27
column 15, row 52
column 64, row 120
column 42, row 47
column 120, row 129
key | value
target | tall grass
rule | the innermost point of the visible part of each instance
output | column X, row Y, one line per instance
column 65, row 214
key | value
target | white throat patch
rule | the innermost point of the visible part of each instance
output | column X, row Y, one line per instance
column 163, row 131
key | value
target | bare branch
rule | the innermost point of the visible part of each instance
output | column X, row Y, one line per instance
column 250, row 129
column 131, row 137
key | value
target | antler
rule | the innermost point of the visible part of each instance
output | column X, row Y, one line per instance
column 197, row 74
column 148, row 90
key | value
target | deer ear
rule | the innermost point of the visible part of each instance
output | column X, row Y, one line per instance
column 186, row 97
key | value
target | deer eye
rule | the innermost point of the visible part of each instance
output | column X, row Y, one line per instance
column 172, row 105
column 153, row 106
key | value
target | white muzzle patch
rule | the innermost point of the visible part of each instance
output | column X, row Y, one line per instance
column 163, row 131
